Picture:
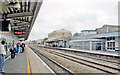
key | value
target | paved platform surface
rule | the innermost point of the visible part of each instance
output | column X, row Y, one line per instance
column 36, row 63
column 21, row 65
column 17, row 65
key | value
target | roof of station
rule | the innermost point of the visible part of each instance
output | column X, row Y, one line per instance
column 93, row 36
column 21, row 14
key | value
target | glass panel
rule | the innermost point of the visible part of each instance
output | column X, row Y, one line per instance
column 113, row 38
column 110, row 38
column 113, row 44
column 87, row 47
column 98, row 46
column 87, row 43
column 107, row 39
column 107, row 44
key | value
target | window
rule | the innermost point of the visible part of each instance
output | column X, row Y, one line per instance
column 107, row 39
column 113, row 44
column 107, row 44
column 110, row 38
column 110, row 45
column 113, row 38
column 87, row 45
column 96, row 45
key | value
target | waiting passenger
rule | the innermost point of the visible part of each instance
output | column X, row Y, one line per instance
column 2, row 54
column 13, row 51
column 6, row 47
column 18, row 48
column 23, row 47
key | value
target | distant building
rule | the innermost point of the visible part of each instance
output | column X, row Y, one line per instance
column 39, row 40
column 58, row 38
column 59, row 34
column 107, row 29
column 87, row 32
column 34, row 41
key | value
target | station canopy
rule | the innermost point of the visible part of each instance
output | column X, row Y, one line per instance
column 21, row 14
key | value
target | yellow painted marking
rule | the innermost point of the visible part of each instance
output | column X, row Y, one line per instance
column 28, row 64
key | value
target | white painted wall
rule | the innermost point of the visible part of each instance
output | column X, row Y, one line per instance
column 117, row 43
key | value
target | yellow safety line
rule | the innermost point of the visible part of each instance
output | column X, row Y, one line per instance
column 28, row 64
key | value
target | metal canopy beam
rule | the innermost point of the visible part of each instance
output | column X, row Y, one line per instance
column 19, row 14
column 38, row 5
column 21, row 18
column 19, row 21
column 22, row 24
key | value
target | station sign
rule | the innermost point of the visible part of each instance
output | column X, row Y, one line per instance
column 19, row 33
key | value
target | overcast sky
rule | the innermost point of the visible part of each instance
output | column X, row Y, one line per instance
column 74, row 15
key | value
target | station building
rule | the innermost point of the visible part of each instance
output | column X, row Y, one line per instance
column 58, row 37
column 107, row 38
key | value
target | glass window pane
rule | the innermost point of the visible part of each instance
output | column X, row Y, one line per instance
column 113, row 44
column 107, row 44
column 113, row 38
column 110, row 38
column 107, row 39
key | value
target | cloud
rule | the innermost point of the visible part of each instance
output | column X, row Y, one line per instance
column 74, row 15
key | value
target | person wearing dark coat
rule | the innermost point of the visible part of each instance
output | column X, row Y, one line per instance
column 13, row 51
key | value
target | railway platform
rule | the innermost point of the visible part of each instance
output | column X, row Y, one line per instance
column 97, row 52
column 27, row 62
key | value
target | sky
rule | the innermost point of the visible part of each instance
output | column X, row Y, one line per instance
column 73, row 15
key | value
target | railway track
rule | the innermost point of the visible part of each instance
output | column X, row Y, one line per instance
column 98, row 66
column 88, row 56
column 66, row 71
column 104, row 68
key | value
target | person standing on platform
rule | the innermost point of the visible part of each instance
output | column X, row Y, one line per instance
column 23, row 47
column 13, row 50
column 6, row 47
column 2, row 54
column 18, row 48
